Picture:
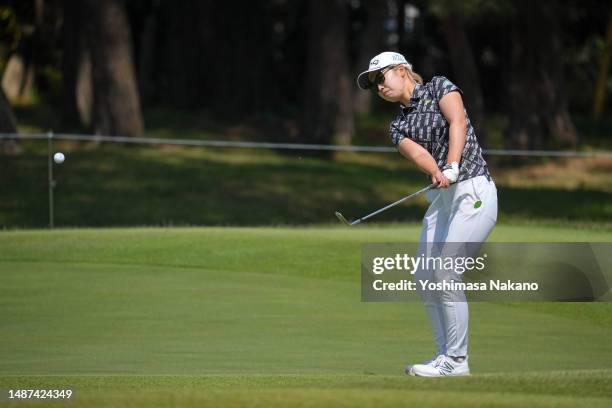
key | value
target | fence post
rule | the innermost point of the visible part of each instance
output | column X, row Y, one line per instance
column 50, row 171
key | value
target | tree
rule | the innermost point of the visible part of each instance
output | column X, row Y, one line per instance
column 602, row 76
column 371, row 42
column 8, row 124
column 465, row 70
column 183, row 77
column 147, row 49
column 243, row 59
column 116, row 102
column 537, row 99
column 19, row 76
column 454, row 17
column 76, row 66
column 327, row 104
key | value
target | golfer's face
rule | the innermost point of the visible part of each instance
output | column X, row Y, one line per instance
column 389, row 84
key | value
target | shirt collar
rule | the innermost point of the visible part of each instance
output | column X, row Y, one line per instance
column 417, row 93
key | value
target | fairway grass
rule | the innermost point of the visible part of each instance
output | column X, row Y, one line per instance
column 270, row 317
column 552, row 389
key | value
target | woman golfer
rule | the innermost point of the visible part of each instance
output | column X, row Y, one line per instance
column 433, row 130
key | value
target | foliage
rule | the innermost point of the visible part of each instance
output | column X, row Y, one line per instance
column 10, row 34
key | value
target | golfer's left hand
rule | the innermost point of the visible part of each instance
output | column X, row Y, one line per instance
column 440, row 179
column 451, row 172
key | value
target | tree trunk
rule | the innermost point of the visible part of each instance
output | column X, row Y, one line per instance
column 8, row 124
column 325, row 118
column 371, row 42
column 147, row 55
column 345, row 121
column 13, row 77
column 116, row 103
column 465, row 70
column 20, row 72
column 246, row 48
column 76, row 66
column 537, row 99
column 602, row 76
column 188, row 44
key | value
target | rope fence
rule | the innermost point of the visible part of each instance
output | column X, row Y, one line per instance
column 281, row 146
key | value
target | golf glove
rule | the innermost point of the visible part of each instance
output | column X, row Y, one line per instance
column 451, row 172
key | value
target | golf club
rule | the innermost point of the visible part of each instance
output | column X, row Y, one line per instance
column 401, row 200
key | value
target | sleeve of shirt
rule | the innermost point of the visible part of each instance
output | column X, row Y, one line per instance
column 443, row 86
column 395, row 133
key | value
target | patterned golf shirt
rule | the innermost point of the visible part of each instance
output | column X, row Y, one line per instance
column 423, row 122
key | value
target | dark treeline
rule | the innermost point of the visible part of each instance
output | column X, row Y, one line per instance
column 101, row 62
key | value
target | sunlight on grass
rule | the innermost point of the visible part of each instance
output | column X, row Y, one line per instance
column 104, row 184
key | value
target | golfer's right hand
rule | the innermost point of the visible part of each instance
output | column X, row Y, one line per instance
column 440, row 179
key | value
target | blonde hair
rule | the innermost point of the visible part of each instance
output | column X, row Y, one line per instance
column 413, row 75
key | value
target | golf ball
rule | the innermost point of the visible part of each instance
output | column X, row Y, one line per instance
column 59, row 157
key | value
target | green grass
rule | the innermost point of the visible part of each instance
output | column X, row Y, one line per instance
column 558, row 389
column 270, row 317
column 131, row 186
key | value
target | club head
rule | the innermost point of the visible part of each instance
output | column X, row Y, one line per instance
column 341, row 218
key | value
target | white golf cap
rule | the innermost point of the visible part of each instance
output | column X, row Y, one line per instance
column 382, row 60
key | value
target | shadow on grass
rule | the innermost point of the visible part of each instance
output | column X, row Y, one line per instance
column 119, row 186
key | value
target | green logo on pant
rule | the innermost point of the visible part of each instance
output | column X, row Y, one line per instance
column 477, row 204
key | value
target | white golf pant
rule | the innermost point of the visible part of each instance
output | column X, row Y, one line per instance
column 464, row 212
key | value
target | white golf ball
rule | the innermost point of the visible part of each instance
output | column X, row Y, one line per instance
column 59, row 157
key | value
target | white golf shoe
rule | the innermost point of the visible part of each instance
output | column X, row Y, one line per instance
column 432, row 362
column 442, row 367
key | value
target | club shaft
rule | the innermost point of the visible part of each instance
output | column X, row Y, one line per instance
column 401, row 200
